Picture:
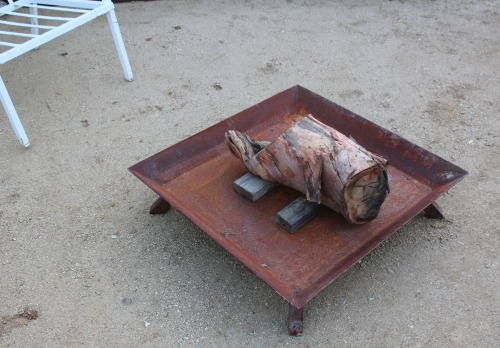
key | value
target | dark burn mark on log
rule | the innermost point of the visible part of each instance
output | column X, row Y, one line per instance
column 275, row 161
column 256, row 148
column 313, row 180
column 387, row 187
column 374, row 206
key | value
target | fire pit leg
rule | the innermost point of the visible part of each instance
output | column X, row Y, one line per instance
column 295, row 320
column 160, row 206
column 434, row 211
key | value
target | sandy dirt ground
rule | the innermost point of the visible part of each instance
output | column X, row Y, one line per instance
column 82, row 263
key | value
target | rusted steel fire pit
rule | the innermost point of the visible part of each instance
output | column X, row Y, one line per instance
column 195, row 176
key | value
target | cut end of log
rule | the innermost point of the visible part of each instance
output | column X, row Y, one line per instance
column 365, row 195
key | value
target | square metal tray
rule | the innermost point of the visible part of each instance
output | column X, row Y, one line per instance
column 195, row 177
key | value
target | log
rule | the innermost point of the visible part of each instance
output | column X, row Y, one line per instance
column 324, row 164
column 297, row 214
column 252, row 187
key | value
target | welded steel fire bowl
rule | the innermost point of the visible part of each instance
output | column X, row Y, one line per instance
column 195, row 177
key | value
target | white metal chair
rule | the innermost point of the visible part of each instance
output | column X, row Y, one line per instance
column 27, row 24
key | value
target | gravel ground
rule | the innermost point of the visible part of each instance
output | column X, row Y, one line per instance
column 82, row 263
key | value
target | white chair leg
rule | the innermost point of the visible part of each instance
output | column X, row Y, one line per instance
column 34, row 20
column 12, row 114
column 120, row 47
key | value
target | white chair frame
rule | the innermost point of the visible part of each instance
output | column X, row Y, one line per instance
column 18, row 17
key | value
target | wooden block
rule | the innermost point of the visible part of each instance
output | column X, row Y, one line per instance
column 252, row 187
column 297, row 214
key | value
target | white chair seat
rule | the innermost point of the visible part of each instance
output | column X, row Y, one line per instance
column 28, row 24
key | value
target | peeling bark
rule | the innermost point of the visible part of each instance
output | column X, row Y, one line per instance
column 325, row 165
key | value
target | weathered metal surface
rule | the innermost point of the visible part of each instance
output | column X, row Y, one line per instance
column 195, row 176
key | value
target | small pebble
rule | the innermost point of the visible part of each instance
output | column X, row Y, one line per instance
column 146, row 323
column 127, row 301
column 114, row 236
